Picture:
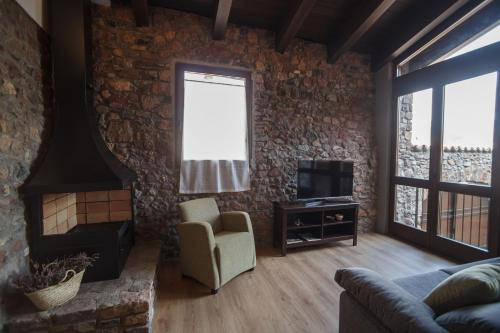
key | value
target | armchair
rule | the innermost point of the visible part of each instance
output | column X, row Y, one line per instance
column 215, row 247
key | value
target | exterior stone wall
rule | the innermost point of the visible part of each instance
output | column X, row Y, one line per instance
column 304, row 108
column 460, row 164
column 23, row 121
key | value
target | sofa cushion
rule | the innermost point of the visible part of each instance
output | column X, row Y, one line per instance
column 393, row 306
column 234, row 253
column 454, row 269
column 474, row 285
column 420, row 285
column 477, row 318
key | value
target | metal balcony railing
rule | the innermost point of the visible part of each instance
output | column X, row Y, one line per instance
column 464, row 218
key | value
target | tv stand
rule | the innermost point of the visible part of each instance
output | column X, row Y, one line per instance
column 300, row 224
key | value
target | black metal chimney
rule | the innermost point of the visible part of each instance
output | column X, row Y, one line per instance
column 78, row 162
column 77, row 158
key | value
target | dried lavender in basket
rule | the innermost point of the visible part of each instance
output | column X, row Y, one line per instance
column 46, row 275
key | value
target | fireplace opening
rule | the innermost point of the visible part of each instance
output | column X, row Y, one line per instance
column 63, row 212
column 94, row 222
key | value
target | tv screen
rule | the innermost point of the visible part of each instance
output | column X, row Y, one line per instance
column 324, row 179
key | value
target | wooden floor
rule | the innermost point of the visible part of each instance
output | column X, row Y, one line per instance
column 295, row 293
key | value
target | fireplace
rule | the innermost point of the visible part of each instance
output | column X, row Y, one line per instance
column 80, row 197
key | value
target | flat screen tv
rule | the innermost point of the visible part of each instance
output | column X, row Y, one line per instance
column 324, row 179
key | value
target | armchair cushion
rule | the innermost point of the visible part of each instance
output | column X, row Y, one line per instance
column 235, row 253
column 202, row 210
column 197, row 252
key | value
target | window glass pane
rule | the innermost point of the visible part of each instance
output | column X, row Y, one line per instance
column 488, row 38
column 469, row 113
column 215, row 117
column 455, row 43
column 464, row 218
column 415, row 115
column 411, row 206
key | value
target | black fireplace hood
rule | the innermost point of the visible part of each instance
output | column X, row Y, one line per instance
column 77, row 158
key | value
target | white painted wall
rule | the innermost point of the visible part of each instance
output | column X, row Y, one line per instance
column 37, row 10
column 102, row 2
column 383, row 95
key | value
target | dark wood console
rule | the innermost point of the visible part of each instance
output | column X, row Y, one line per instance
column 296, row 225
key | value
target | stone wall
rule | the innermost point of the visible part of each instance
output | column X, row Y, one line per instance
column 24, row 97
column 304, row 108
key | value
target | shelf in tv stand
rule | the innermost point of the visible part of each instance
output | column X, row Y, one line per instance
column 303, row 226
column 336, row 238
column 338, row 222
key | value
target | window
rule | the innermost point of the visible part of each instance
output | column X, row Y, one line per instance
column 444, row 155
column 215, row 120
column 213, row 123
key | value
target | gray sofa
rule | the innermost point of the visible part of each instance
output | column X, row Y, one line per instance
column 371, row 303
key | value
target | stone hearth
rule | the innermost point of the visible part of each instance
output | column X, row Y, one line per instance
column 123, row 305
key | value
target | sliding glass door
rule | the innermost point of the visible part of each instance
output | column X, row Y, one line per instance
column 445, row 158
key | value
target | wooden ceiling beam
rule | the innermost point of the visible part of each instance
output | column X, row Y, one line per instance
column 141, row 12
column 293, row 23
column 221, row 18
column 421, row 23
column 356, row 27
column 452, row 22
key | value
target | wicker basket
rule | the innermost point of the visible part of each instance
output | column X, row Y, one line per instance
column 58, row 294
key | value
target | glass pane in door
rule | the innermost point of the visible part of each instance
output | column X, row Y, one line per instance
column 469, row 114
column 414, row 134
column 464, row 218
column 411, row 206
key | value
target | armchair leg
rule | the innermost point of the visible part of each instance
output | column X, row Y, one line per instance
column 214, row 291
column 251, row 269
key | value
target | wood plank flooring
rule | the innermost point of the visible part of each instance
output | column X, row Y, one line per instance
column 295, row 293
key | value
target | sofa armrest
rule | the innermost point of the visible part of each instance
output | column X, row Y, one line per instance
column 236, row 221
column 393, row 306
column 197, row 244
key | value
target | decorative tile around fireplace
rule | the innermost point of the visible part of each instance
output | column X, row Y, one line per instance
column 121, row 305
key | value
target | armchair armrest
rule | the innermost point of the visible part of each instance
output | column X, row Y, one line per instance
column 236, row 221
column 239, row 222
column 199, row 233
column 197, row 245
